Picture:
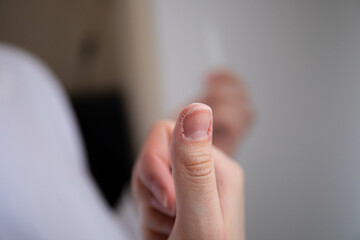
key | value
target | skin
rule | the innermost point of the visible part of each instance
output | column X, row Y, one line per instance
column 187, row 188
column 227, row 95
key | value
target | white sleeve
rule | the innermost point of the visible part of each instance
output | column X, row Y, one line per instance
column 128, row 216
column 45, row 190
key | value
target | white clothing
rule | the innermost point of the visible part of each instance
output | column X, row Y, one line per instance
column 45, row 189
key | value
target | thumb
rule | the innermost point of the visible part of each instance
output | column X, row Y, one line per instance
column 197, row 202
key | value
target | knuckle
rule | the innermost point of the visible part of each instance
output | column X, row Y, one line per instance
column 162, row 124
column 145, row 166
column 149, row 157
column 158, row 124
column 202, row 168
column 198, row 164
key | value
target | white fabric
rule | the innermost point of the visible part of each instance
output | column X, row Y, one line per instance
column 45, row 190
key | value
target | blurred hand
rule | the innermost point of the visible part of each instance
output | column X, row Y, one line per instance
column 233, row 114
column 186, row 188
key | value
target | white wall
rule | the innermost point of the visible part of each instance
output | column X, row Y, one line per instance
column 301, row 60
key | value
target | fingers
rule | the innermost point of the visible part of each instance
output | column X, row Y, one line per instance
column 230, row 182
column 180, row 161
column 147, row 198
column 197, row 200
column 233, row 114
column 153, row 170
column 221, row 76
column 157, row 221
column 225, row 88
column 151, row 235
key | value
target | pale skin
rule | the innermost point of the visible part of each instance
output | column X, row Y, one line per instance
column 233, row 113
column 184, row 185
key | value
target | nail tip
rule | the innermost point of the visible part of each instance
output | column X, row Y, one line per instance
column 196, row 121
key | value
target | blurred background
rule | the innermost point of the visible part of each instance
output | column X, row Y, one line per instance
column 128, row 63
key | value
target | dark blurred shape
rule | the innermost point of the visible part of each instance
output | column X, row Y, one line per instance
column 104, row 126
column 89, row 48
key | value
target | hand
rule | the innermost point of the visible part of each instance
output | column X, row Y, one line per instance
column 233, row 114
column 186, row 188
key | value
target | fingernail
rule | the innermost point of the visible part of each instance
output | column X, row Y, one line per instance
column 159, row 194
column 196, row 123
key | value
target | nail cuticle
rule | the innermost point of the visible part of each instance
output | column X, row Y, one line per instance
column 200, row 122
